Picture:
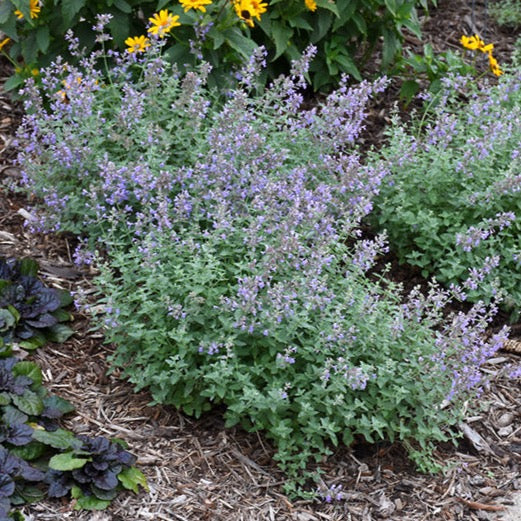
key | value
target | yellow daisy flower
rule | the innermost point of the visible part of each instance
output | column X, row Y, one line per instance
column 195, row 4
column 137, row 43
column 247, row 10
column 34, row 9
column 4, row 42
column 311, row 5
column 472, row 42
column 162, row 23
column 494, row 67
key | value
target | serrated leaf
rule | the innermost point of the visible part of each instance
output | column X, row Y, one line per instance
column 70, row 9
column 59, row 439
column 5, row 399
column 30, row 369
column 67, row 461
column 29, row 402
column 132, row 478
column 238, row 42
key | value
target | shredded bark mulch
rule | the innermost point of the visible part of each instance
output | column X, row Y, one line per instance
column 196, row 469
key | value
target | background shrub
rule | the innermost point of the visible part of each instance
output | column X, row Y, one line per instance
column 346, row 33
column 452, row 205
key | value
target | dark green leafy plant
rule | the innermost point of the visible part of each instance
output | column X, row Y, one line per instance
column 30, row 312
column 92, row 470
column 429, row 68
column 346, row 33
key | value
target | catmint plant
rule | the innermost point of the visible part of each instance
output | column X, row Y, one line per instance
column 451, row 204
column 233, row 270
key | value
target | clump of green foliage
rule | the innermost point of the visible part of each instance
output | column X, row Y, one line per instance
column 451, row 205
column 38, row 458
column 30, row 312
column 506, row 13
column 346, row 32
column 234, row 272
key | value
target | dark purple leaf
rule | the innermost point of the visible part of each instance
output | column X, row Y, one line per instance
column 19, row 434
column 60, row 483
column 7, row 486
column 44, row 320
column 30, row 473
column 106, row 481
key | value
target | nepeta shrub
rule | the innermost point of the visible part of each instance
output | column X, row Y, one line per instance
column 234, row 272
column 452, row 204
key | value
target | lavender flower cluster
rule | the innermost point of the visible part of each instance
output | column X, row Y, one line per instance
column 235, row 270
column 451, row 203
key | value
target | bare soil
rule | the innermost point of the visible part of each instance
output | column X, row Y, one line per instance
column 198, row 470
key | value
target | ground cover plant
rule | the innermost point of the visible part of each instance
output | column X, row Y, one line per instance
column 233, row 271
column 451, row 205
column 38, row 458
column 30, row 312
column 223, row 32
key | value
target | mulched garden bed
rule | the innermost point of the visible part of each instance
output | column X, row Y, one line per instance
column 197, row 470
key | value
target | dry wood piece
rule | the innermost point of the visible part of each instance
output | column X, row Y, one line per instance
column 481, row 506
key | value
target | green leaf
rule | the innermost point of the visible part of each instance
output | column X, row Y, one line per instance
column 88, row 502
column 5, row 399
column 6, row 10
column 29, row 452
column 67, row 461
column 70, row 8
column 59, row 439
column 131, row 478
column 240, row 43
column 29, row 267
column 5, row 349
column 59, row 333
column 61, row 315
column 31, row 494
column 123, row 6
column 327, row 4
column 29, row 402
column 391, row 6
column 36, row 341
column 322, row 24
column 43, row 38
column 65, row 298
column 119, row 27
column 348, row 65
column 281, row 35
column 57, row 402
column 30, row 369
column 7, row 319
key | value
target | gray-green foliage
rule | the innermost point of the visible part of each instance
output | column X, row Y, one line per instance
column 452, row 204
column 506, row 12
column 234, row 270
